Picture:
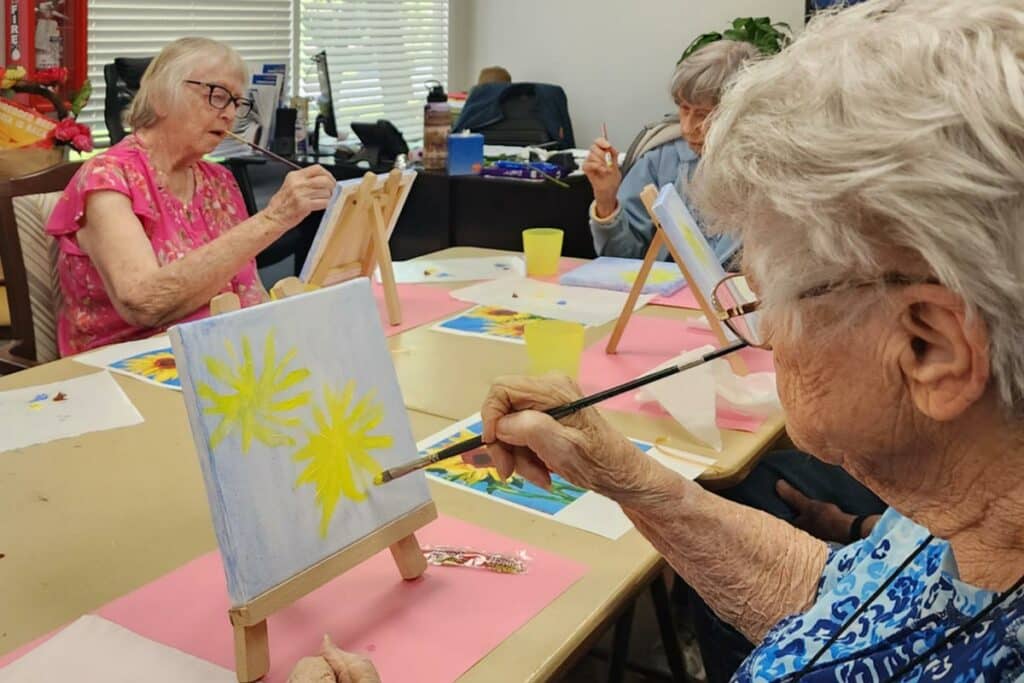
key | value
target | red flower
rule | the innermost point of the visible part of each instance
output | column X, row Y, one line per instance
column 66, row 130
column 53, row 76
column 83, row 143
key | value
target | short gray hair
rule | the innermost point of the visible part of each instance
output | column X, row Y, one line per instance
column 700, row 78
column 888, row 135
column 161, row 83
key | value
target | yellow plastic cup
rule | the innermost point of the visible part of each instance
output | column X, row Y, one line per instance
column 543, row 248
column 554, row 346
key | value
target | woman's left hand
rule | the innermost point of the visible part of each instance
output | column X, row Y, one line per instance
column 334, row 666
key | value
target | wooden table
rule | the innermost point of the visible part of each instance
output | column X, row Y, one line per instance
column 86, row 520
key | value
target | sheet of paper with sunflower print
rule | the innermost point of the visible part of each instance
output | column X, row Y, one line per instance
column 489, row 322
column 295, row 407
column 564, row 503
column 149, row 360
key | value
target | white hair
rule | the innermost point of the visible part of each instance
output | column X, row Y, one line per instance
column 890, row 135
column 162, row 81
column 700, row 78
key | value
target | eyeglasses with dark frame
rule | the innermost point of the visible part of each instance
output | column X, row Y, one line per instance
column 735, row 305
column 220, row 97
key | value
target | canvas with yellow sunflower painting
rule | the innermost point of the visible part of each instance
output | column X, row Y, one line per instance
column 563, row 502
column 295, row 407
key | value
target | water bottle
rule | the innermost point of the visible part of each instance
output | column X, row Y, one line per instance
column 437, row 121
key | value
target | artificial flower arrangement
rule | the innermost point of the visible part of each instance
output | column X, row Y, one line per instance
column 24, row 126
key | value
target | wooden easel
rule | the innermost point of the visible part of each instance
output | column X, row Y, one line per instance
column 249, row 621
column 648, row 196
column 358, row 243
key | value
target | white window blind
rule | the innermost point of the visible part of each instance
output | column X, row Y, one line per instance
column 261, row 31
column 380, row 54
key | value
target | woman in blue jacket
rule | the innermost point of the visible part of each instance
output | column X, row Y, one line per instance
column 618, row 220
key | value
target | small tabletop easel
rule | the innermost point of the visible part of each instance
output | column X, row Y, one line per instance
column 252, row 642
column 356, row 243
column 648, row 196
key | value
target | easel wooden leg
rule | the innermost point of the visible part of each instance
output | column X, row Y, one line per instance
column 387, row 273
column 252, row 652
column 409, row 557
column 634, row 293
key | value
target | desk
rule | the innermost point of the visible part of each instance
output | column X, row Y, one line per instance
column 443, row 211
column 85, row 520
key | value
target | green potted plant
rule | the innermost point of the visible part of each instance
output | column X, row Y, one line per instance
column 760, row 32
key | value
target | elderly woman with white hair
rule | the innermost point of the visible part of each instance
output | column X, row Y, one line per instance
column 880, row 201
column 148, row 232
column 619, row 222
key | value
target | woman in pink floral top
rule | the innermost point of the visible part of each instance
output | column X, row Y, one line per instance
column 147, row 232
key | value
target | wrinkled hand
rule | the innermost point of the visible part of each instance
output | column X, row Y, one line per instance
column 604, row 179
column 818, row 518
column 334, row 666
column 302, row 192
column 583, row 448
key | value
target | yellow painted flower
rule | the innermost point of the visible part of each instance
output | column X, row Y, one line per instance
column 254, row 404
column 12, row 76
column 158, row 366
column 339, row 452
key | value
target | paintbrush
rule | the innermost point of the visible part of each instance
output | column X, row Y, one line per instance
column 265, row 152
column 607, row 154
column 558, row 413
column 550, row 177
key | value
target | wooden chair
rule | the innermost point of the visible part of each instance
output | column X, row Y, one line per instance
column 28, row 259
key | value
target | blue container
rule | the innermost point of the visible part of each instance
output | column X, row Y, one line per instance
column 465, row 153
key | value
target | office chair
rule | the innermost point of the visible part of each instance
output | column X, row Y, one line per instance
column 518, row 114
column 122, row 77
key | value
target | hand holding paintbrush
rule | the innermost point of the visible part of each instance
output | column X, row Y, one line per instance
column 602, row 170
column 503, row 398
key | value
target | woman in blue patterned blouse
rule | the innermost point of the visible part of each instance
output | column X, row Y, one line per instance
column 876, row 171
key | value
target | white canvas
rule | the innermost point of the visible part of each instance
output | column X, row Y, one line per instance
column 294, row 406
column 333, row 214
column 94, row 650
column 584, row 305
column 71, row 407
column 689, row 242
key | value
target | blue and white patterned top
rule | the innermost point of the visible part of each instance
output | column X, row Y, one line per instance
column 915, row 612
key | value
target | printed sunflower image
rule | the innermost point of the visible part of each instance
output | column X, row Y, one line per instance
column 476, row 471
column 490, row 321
column 157, row 366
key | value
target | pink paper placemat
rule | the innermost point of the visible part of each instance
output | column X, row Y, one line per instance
column 421, row 304
column 647, row 343
column 432, row 629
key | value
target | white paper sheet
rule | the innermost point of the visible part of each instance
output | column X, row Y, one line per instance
column 48, row 412
column 576, row 304
column 458, row 269
column 589, row 512
column 690, row 397
column 94, row 650
column 107, row 357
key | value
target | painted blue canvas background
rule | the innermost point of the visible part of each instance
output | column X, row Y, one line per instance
column 607, row 272
column 268, row 524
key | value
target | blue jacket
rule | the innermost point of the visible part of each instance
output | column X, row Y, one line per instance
column 483, row 108
column 628, row 232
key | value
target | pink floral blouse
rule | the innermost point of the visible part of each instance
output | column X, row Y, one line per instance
column 87, row 318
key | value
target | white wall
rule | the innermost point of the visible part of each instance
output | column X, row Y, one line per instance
column 613, row 57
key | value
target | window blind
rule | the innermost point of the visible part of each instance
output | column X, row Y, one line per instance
column 380, row 54
column 261, row 31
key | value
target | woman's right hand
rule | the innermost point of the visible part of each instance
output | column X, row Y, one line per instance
column 604, row 178
column 302, row 192
column 582, row 448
